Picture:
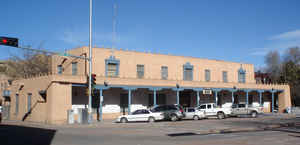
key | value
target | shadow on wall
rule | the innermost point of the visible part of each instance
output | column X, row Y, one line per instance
column 29, row 112
column 15, row 135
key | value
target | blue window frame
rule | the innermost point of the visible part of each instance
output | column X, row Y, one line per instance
column 59, row 69
column 140, row 71
column 188, row 72
column 207, row 75
column 74, row 68
column 241, row 75
column 112, row 67
column 29, row 102
column 164, row 72
column 225, row 78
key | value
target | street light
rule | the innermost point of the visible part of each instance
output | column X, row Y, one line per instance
column 90, row 65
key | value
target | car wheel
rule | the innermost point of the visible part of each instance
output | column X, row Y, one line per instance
column 124, row 120
column 254, row 114
column 221, row 115
column 196, row 117
column 151, row 119
column 174, row 118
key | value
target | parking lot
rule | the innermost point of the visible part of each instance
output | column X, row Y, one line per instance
column 232, row 130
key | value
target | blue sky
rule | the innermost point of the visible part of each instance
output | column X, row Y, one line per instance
column 231, row 30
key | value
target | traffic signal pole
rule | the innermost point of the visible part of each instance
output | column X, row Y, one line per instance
column 90, row 117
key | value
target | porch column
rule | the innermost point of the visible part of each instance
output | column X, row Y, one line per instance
column 100, row 105
column 198, row 98
column 232, row 97
column 177, row 97
column 260, row 98
column 129, row 101
column 216, row 97
column 272, row 101
column 154, row 97
column 247, row 95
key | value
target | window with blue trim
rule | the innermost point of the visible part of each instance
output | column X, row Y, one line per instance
column 224, row 74
column 112, row 67
column 242, row 76
column 164, row 72
column 140, row 71
column 29, row 102
column 188, row 72
column 59, row 69
column 74, row 68
column 207, row 75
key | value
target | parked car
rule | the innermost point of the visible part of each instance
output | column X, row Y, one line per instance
column 242, row 109
column 193, row 113
column 141, row 115
column 211, row 110
column 171, row 112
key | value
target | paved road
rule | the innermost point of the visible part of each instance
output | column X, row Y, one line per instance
column 166, row 133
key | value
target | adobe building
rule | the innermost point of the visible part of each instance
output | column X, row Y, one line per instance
column 130, row 80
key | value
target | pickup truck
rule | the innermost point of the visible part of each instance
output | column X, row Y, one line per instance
column 242, row 109
column 211, row 110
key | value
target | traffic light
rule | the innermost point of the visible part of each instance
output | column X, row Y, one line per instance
column 93, row 80
column 9, row 41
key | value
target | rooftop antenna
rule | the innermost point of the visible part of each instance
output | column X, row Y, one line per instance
column 114, row 34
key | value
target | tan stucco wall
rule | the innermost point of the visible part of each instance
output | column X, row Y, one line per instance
column 59, row 88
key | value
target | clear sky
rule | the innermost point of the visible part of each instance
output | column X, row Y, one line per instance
column 231, row 30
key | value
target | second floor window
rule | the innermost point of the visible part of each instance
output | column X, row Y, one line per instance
column 188, row 72
column 242, row 76
column 164, row 72
column 112, row 70
column 59, row 69
column 207, row 75
column 140, row 71
column 74, row 68
column 225, row 79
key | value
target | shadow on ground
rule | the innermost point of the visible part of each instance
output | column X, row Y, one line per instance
column 17, row 135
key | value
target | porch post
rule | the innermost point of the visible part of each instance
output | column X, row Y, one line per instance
column 247, row 93
column 129, row 101
column 100, row 105
column 177, row 97
column 260, row 98
column 272, row 101
column 232, row 97
column 154, row 97
column 198, row 98
column 216, row 97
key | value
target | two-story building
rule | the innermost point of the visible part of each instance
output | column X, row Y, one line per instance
column 129, row 80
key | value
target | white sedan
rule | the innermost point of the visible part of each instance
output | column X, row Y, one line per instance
column 141, row 115
column 194, row 113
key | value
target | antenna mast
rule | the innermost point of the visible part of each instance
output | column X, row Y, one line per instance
column 114, row 33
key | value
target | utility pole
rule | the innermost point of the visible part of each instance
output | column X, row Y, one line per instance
column 90, row 116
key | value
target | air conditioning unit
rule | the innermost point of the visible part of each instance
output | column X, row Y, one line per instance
column 207, row 91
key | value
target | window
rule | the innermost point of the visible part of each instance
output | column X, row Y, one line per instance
column 74, row 68
column 112, row 67
column 188, row 72
column 140, row 71
column 29, row 102
column 208, row 106
column 164, row 72
column 59, row 69
column 112, row 70
column 202, row 107
column 242, row 76
column 225, row 80
column 207, row 75
column 17, row 104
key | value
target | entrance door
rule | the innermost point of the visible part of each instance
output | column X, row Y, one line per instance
column 124, row 103
column 185, row 99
